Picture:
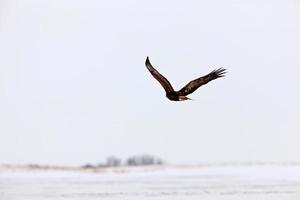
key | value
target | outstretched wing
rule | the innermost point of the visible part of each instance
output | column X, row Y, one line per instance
column 161, row 79
column 195, row 84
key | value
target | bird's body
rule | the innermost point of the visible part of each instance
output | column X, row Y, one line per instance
column 173, row 96
column 193, row 85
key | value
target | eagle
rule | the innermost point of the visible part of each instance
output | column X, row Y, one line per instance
column 189, row 88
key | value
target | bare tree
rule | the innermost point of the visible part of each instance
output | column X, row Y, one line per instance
column 143, row 160
column 113, row 161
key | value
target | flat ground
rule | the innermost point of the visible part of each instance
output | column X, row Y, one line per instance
column 276, row 182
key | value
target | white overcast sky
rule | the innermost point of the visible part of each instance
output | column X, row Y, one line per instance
column 74, row 88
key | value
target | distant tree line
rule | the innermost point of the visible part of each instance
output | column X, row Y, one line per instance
column 137, row 160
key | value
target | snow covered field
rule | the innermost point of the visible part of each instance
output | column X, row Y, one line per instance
column 266, row 182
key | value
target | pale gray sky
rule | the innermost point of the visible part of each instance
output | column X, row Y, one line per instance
column 74, row 87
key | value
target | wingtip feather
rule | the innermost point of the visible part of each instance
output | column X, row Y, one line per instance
column 147, row 62
column 220, row 72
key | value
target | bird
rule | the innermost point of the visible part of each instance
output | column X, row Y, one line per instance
column 181, row 95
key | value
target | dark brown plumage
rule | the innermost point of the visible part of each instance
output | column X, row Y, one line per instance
column 193, row 85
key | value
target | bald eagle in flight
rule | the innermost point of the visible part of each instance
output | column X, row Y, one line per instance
column 193, row 85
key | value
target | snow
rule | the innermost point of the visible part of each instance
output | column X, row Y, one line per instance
column 157, row 183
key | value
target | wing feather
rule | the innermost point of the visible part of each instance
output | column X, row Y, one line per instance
column 195, row 84
column 160, row 78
